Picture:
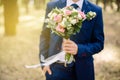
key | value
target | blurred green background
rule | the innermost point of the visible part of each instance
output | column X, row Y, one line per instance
column 20, row 27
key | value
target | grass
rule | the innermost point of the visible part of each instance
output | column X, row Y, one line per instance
column 107, row 63
column 22, row 49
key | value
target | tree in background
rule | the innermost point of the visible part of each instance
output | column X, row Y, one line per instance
column 1, row 2
column 105, row 3
column 25, row 3
column 39, row 3
column 110, row 3
column 10, row 16
column 118, row 5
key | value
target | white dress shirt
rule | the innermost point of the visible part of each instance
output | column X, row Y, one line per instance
column 79, row 3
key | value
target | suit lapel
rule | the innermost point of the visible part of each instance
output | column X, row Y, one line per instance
column 62, row 3
column 85, row 7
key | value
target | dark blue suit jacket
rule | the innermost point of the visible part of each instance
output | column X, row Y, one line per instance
column 90, row 39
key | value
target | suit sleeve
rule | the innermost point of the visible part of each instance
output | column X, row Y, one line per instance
column 97, row 43
column 44, row 37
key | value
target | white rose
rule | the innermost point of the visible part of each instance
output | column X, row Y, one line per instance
column 79, row 17
column 52, row 16
column 90, row 13
column 46, row 20
column 94, row 13
column 49, row 15
column 74, row 10
column 62, row 24
column 74, row 21
column 64, row 19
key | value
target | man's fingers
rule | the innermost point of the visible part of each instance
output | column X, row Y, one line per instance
column 49, row 71
column 68, row 45
column 67, row 41
column 68, row 49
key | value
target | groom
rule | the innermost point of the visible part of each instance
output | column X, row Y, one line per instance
column 83, row 45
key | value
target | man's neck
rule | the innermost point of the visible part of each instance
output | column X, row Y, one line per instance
column 75, row 0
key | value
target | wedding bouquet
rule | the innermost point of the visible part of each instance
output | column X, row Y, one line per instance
column 66, row 22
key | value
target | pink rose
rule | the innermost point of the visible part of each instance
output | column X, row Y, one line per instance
column 82, row 14
column 68, row 12
column 60, row 28
column 58, row 18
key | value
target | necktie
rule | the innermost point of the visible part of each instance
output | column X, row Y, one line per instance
column 75, row 6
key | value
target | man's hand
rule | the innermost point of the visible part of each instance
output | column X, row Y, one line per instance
column 47, row 69
column 70, row 47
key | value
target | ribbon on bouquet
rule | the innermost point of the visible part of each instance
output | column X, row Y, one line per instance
column 50, row 60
